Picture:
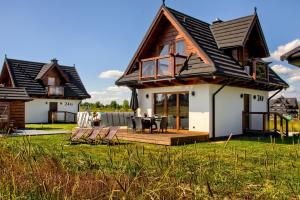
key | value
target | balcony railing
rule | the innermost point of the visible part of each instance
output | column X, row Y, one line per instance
column 55, row 90
column 161, row 66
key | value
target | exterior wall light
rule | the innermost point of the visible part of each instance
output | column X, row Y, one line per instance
column 242, row 95
column 147, row 96
column 193, row 93
column 254, row 96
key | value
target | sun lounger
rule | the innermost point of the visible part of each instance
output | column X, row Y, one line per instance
column 111, row 135
column 97, row 135
column 81, row 134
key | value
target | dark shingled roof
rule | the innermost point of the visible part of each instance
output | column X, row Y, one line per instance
column 14, row 93
column 24, row 74
column 202, row 33
column 291, row 103
column 291, row 53
column 232, row 33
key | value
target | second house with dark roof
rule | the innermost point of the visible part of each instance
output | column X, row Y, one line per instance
column 203, row 76
column 56, row 90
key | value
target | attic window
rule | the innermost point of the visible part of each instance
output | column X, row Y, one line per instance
column 51, row 81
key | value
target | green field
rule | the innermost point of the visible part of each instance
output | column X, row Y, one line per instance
column 48, row 167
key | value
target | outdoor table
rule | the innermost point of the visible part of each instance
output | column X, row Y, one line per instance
column 150, row 121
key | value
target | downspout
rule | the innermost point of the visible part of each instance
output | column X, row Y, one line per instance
column 214, row 109
column 268, row 102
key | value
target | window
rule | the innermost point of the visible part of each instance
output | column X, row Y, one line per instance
column 163, row 67
column 180, row 50
column 51, row 81
column 261, row 70
column 148, row 68
column 180, row 47
column 164, row 50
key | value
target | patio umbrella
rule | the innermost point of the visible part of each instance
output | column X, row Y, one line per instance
column 134, row 103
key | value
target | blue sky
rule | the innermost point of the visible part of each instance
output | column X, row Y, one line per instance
column 98, row 35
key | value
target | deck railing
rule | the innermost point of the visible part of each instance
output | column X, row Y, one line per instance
column 55, row 90
column 271, row 122
column 160, row 66
column 62, row 117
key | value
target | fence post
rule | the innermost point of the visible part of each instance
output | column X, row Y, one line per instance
column 264, row 123
column 287, row 127
column 275, row 122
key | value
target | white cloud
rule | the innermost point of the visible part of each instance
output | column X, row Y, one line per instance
column 110, row 74
column 285, row 48
column 112, row 93
column 294, row 79
column 281, row 69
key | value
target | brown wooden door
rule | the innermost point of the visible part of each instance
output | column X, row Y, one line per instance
column 246, row 118
column 52, row 108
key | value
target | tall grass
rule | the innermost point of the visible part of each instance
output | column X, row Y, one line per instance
column 262, row 169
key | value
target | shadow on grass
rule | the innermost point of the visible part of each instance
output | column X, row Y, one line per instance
column 269, row 139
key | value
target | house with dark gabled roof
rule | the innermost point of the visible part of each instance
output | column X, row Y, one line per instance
column 285, row 106
column 205, row 77
column 56, row 90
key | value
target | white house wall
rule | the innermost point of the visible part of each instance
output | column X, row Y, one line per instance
column 36, row 111
column 229, row 107
column 198, row 104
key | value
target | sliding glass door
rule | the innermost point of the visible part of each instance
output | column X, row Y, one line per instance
column 175, row 106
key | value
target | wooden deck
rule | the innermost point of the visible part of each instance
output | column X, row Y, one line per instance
column 168, row 138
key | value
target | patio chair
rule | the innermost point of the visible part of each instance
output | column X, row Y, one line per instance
column 112, row 133
column 163, row 125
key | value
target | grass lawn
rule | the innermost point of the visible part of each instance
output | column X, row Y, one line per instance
column 48, row 167
column 51, row 127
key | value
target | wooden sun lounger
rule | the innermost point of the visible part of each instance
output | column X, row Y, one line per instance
column 111, row 135
column 82, row 133
column 97, row 135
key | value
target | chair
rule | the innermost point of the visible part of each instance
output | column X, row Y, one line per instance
column 81, row 135
column 171, row 122
column 98, row 134
column 163, row 125
column 112, row 133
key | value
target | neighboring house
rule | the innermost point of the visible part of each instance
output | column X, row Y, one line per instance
column 203, row 76
column 12, row 107
column 285, row 106
column 56, row 90
column 293, row 56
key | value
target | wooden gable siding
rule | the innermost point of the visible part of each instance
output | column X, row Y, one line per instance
column 17, row 113
column 5, row 77
column 167, row 35
column 55, row 74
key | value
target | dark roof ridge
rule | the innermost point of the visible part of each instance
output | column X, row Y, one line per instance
column 235, row 19
column 187, row 15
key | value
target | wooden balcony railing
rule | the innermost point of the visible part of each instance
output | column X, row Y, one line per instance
column 55, row 90
column 161, row 66
column 270, row 121
column 62, row 117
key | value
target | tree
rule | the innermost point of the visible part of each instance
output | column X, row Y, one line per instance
column 98, row 104
column 125, row 104
column 113, row 105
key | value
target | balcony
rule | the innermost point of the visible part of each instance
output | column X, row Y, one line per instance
column 55, row 90
column 161, row 66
